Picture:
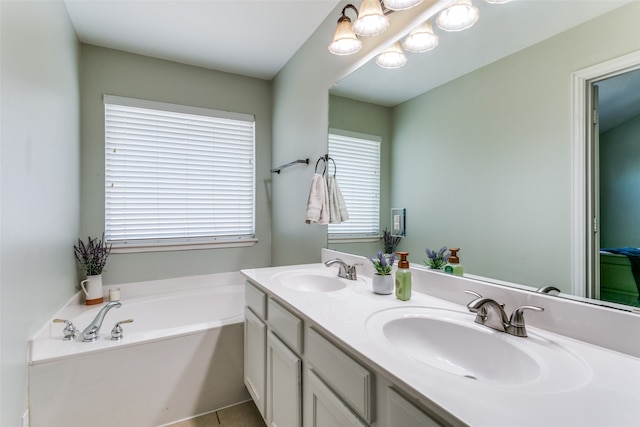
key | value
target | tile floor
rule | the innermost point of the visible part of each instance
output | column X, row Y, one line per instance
column 242, row 415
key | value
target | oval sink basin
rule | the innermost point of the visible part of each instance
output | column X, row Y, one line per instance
column 461, row 350
column 452, row 342
column 310, row 281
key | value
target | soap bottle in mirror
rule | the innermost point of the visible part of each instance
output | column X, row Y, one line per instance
column 403, row 278
column 454, row 266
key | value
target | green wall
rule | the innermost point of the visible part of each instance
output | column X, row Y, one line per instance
column 620, row 185
column 39, row 179
column 372, row 119
column 106, row 71
column 484, row 162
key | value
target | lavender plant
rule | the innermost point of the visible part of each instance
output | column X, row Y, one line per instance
column 437, row 259
column 390, row 242
column 383, row 262
column 92, row 255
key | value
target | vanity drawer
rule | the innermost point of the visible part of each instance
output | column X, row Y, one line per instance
column 286, row 325
column 255, row 299
column 346, row 377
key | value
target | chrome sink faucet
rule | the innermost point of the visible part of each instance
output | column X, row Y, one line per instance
column 90, row 333
column 345, row 271
column 491, row 314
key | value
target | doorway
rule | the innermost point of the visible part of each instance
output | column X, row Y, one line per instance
column 606, row 177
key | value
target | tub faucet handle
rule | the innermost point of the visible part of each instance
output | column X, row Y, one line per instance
column 117, row 332
column 69, row 329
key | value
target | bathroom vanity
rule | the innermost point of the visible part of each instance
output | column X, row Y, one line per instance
column 326, row 351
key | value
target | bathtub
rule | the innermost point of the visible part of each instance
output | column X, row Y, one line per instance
column 182, row 356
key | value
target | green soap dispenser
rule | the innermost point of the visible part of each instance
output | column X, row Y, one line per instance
column 453, row 266
column 403, row 278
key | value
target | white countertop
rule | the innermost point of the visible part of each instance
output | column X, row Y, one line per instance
column 607, row 392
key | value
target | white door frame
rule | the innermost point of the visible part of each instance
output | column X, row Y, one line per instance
column 581, row 276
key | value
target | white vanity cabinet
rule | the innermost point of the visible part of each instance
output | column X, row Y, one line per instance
column 324, row 408
column 272, row 362
column 284, row 367
column 299, row 376
column 284, row 379
column 401, row 412
column 255, row 344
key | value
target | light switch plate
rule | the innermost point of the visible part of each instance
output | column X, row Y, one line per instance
column 398, row 222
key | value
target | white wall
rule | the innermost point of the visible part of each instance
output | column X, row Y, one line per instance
column 106, row 71
column 39, row 181
column 484, row 162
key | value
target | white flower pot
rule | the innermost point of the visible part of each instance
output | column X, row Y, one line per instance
column 382, row 284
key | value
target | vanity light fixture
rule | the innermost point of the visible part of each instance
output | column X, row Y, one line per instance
column 401, row 4
column 421, row 39
column 460, row 15
column 392, row 57
column 345, row 41
column 371, row 20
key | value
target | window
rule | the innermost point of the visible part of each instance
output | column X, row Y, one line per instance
column 357, row 157
column 177, row 175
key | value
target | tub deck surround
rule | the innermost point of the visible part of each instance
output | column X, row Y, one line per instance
column 181, row 357
column 601, row 390
column 159, row 309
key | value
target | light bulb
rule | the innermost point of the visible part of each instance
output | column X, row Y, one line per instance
column 392, row 57
column 401, row 4
column 421, row 39
column 371, row 21
column 459, row 16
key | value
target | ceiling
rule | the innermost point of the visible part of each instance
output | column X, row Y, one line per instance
column 256, row 38
column 502, row 30
column 253, row 38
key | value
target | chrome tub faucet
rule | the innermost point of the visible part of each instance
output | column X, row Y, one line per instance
column 90, row 333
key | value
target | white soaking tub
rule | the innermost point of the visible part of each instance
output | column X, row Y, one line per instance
column 182, row 356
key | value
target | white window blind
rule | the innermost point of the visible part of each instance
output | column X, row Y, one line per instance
column 357, row 158
column 177, row 174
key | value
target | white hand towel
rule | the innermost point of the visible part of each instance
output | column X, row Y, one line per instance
column 337, row 207
column 318, row 202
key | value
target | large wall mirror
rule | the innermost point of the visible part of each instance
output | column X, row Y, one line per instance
column 478, row 141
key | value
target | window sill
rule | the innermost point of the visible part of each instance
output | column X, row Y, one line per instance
column 164, row 247
column 354, row 239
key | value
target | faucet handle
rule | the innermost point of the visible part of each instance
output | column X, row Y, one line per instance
column 352, row 273
column 117, row 332
column 551, row 290
column 516, row 322
column 69, row 329
column 475, row 294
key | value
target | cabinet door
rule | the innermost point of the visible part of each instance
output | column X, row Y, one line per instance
column 255, row 340
column 284, row 371
column 325, row 409
column 403, row 413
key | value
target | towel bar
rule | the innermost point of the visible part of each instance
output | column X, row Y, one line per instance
column 278, row 169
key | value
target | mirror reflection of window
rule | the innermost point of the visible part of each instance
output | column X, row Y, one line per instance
column 357, row 171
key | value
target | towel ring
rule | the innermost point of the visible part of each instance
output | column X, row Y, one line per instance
column 335, row 168
column 324, row 164
column 325, row 160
